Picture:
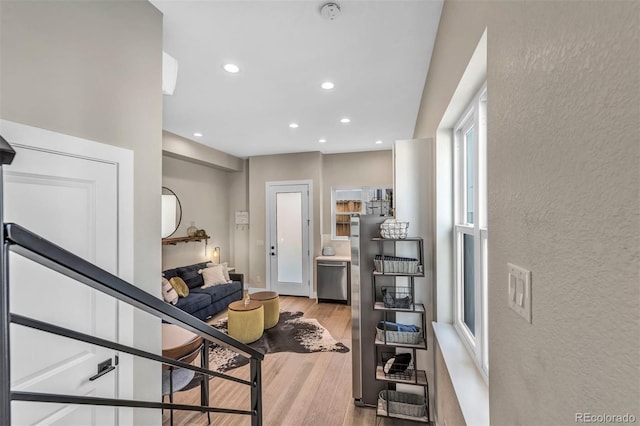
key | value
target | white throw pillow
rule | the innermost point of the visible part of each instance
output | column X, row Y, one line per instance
column 225, row 269
column 212, row 276
column 169, row 294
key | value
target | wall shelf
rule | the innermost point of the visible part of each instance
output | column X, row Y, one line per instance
column 174, row 241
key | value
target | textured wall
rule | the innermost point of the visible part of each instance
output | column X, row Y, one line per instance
column 452, row 53
column 563, row 84
column 94, row 70
column 563, row 157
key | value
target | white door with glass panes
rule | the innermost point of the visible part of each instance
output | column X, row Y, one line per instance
column 73, row 201
column 288, row 238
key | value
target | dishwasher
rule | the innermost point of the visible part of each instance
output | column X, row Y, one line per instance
column 334, row 282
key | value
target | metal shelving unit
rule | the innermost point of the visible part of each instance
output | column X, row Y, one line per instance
column 415, row 377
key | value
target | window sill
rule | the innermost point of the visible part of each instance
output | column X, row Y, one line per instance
column 470, row 388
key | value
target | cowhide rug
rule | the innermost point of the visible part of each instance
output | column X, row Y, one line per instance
column 292, row 334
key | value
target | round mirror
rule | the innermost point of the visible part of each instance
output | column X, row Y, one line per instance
column 171, row 212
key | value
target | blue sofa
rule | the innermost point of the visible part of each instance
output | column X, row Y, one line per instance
column 204, row 303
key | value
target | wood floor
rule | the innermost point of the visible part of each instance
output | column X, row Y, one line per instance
column 297, row 389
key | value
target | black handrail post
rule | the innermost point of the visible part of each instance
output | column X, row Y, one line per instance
column 5, row 350
column 6, row 157
column 256, row 392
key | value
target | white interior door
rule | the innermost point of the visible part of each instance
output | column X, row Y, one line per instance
column 288, row 235
column 73, row 202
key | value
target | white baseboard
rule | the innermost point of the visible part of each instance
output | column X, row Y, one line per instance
column 313, row 295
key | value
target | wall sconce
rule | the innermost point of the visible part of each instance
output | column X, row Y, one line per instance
column 216, row 255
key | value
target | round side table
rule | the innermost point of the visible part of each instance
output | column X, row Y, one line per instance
column 246, row 322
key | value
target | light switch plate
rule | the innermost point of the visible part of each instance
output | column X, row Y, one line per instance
column 520, row 290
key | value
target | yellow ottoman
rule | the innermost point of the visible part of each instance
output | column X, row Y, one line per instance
column 246, row 322
column 271, row 302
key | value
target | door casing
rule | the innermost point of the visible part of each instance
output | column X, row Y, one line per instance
column 29, row 137
column 268, row 186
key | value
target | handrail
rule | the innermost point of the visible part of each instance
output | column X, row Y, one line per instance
column 19, row 240
column 30, row 245
column 64, row 332
column 112, row 402
column 6, row 152
column 38, row 249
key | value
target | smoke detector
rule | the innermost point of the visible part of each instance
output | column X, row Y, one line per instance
column 330, row 11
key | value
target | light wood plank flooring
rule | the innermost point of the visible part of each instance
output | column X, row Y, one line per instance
column 298, row 389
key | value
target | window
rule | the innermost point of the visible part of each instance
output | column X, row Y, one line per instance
column 346, row 201
column 470, row 229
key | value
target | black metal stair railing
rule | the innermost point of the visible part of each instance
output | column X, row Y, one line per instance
column 19, row 240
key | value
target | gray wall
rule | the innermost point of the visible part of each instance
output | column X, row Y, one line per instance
column 370, row 168
column 269, row 168
column 325, row 171
column 94, row 70
column 185, row 149
column 563, row 156
column 203, row 193
column 216, row 187
column 239, row 234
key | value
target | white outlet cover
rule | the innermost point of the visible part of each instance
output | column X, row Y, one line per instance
column 519, row 290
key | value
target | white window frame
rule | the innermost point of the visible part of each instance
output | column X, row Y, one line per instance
column 473, row 117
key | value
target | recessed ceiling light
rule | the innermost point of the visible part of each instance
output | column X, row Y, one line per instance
column 232, row 68
column 378, row 142
column 197, row 134
column 345, row 120
column 293, row 125
column 327, row 85
column 322, row 140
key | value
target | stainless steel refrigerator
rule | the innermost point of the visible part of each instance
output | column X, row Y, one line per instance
column 363, row 317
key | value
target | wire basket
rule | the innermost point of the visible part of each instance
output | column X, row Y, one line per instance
column 397, row 366
column 395, row 264
column 406, row 337
column 394, row 229
column 397, row 297
column 407, row 404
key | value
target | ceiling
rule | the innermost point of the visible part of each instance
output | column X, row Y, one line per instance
column 375, row 52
